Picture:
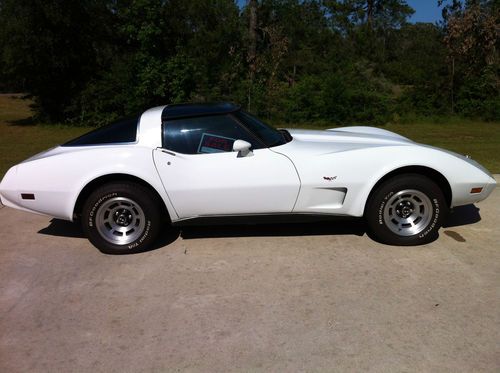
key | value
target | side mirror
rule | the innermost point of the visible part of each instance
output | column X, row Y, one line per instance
column 242, row 147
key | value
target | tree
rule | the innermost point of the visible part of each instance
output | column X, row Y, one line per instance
column 54, row 47
column 252, row 47
column 471, row 38
column 345, row 61
column 472, row 34
column 372, row 13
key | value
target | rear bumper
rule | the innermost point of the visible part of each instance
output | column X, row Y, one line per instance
column 52, row 203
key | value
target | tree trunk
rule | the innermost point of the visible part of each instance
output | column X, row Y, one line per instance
column 453, row 85
column 369, row 12
column 252, row 47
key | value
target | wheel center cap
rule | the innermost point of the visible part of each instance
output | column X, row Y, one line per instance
column 404, row 209
column 123, row 217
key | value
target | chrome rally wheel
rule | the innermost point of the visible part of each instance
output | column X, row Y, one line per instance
column 122, row 218
column 408, row 212
column 406, row 209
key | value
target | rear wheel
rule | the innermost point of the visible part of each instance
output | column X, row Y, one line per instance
column 406, row 210
column 122, row 218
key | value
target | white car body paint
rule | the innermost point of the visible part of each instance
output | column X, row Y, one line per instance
column 58, row 176
column 359, row 159
column 225, row 184
column 320, row 172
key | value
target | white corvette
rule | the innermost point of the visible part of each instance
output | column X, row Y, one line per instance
column 128, row 181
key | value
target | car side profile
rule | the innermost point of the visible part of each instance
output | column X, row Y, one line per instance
column 174, row 164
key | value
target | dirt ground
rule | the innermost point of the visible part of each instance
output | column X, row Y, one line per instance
column 302, row 297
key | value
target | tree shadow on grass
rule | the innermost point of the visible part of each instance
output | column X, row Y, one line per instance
column 25, row 122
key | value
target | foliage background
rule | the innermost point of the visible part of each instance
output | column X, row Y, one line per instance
column 87, row 62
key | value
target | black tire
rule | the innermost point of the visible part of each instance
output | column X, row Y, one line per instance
column 406, row 210
column 122, row 218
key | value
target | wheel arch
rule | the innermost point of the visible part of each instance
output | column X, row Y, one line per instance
column 109, row 178
column 431, row 173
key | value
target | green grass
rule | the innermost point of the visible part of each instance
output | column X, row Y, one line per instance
column 20, row 138
column 478, row 139
column 481, row 140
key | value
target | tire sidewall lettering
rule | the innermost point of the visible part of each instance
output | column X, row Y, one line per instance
column 92, row 216
column 93, row 210
column 381, row 208
column 389, row 210
column 432, row 225
column 429, row 229
column 141, row 239
column 107, row 207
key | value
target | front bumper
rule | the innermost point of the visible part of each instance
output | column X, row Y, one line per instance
column 462, row 193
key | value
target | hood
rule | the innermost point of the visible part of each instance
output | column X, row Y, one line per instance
column 350, row 134
column 344, row 139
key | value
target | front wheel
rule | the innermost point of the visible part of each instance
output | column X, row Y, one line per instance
column 406, row 210
column 121, row 218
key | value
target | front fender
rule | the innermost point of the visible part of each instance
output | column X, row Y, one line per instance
column 460, row 174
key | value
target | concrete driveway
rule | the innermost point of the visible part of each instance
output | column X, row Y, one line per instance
column 310, row 297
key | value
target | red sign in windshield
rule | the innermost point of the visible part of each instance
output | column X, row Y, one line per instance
column 215, row 144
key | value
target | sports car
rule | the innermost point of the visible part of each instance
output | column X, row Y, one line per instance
column 176, row 164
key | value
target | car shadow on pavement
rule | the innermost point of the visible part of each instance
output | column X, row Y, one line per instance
column 63, row 228
column 462, row 215
column 331, row 227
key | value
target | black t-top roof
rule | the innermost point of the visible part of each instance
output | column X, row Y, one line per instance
column 195, row 110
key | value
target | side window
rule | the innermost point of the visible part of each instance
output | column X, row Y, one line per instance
column 121, row 131
column 202, row 135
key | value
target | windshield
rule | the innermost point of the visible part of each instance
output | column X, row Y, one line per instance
column 267, row 134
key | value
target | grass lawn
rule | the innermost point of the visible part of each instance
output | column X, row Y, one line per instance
column 478, row 139
column 481, row 140
column 20, row 138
